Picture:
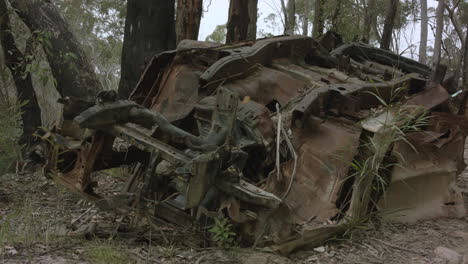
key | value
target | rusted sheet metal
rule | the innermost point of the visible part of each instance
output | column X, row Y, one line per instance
column 423, row 185
column 262, row 52
column 204, row 134
column 325, row 150
column 265, row 85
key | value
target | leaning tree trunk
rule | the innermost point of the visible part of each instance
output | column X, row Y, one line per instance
column 369, row 11
column 389, row 24
column 253, row 12
column 149, row 30
column 291, row 15
column 189, row 14
column 238, row 21
column 305, row 21
column 16, row 62
column 318, row 25
column 69, row 64
column 423, row 43
column 438, row 35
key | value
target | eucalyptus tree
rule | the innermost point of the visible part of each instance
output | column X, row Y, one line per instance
column 17, row 62
column 149, row 30
column 439, row 33
column 242, row 20
column 189, row 13
column 423, row 37
column 99, row 26
column 290, row 13
column 253, row 15
column 305, row 18
column 318, row 26
column 392, row 7
column 74, row 74
column 369, row 19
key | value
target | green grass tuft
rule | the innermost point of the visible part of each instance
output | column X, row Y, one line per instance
column 107, row 251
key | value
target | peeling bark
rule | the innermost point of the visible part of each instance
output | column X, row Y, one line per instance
column 69, row 64
column 238, row 21
column 189, row 14
column 16, row 62
column 253, row 11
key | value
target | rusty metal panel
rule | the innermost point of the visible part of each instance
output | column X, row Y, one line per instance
column 325, row 152
column 424, row 183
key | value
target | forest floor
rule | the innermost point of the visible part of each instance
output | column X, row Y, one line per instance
column 36, row 218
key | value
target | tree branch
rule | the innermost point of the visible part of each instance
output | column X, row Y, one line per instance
column 456, row 25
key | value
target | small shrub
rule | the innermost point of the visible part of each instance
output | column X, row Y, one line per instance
column 222, row 233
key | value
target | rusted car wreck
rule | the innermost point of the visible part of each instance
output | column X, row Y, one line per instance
column 289, row 137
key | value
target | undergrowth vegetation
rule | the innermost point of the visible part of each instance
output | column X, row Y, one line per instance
column 371, row 168
column 10, row 132
column 222, row 233
column 106, row 251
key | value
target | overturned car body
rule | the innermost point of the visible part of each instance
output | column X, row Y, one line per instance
column 288, row 137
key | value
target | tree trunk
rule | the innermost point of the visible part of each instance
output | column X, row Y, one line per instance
column 389, row 24
column 252, row 29
column 285, row 13
column 149, row 30
column 336, row 16
column 455, row 20
column 16, row 62
column 464, row 105
column 369, row 11
column 438, row 36
column 70, row 67
column 290, row 25
column 305, row 22
column 238, row 21
column 375, row 29
column 465, row 62
column 318, row 25
column 423, row 43
column 189, row 14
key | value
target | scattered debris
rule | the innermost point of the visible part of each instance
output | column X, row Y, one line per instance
column 201, row 135
column 10, row 251
column 450, row 255
column 320, row 249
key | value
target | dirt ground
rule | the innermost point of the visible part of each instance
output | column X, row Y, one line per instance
column 37, row 222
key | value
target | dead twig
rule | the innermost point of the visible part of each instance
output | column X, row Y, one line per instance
column 395, row 246
column 58, row 248
column 81, row 216
column 293, row 175
column 278, row 138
